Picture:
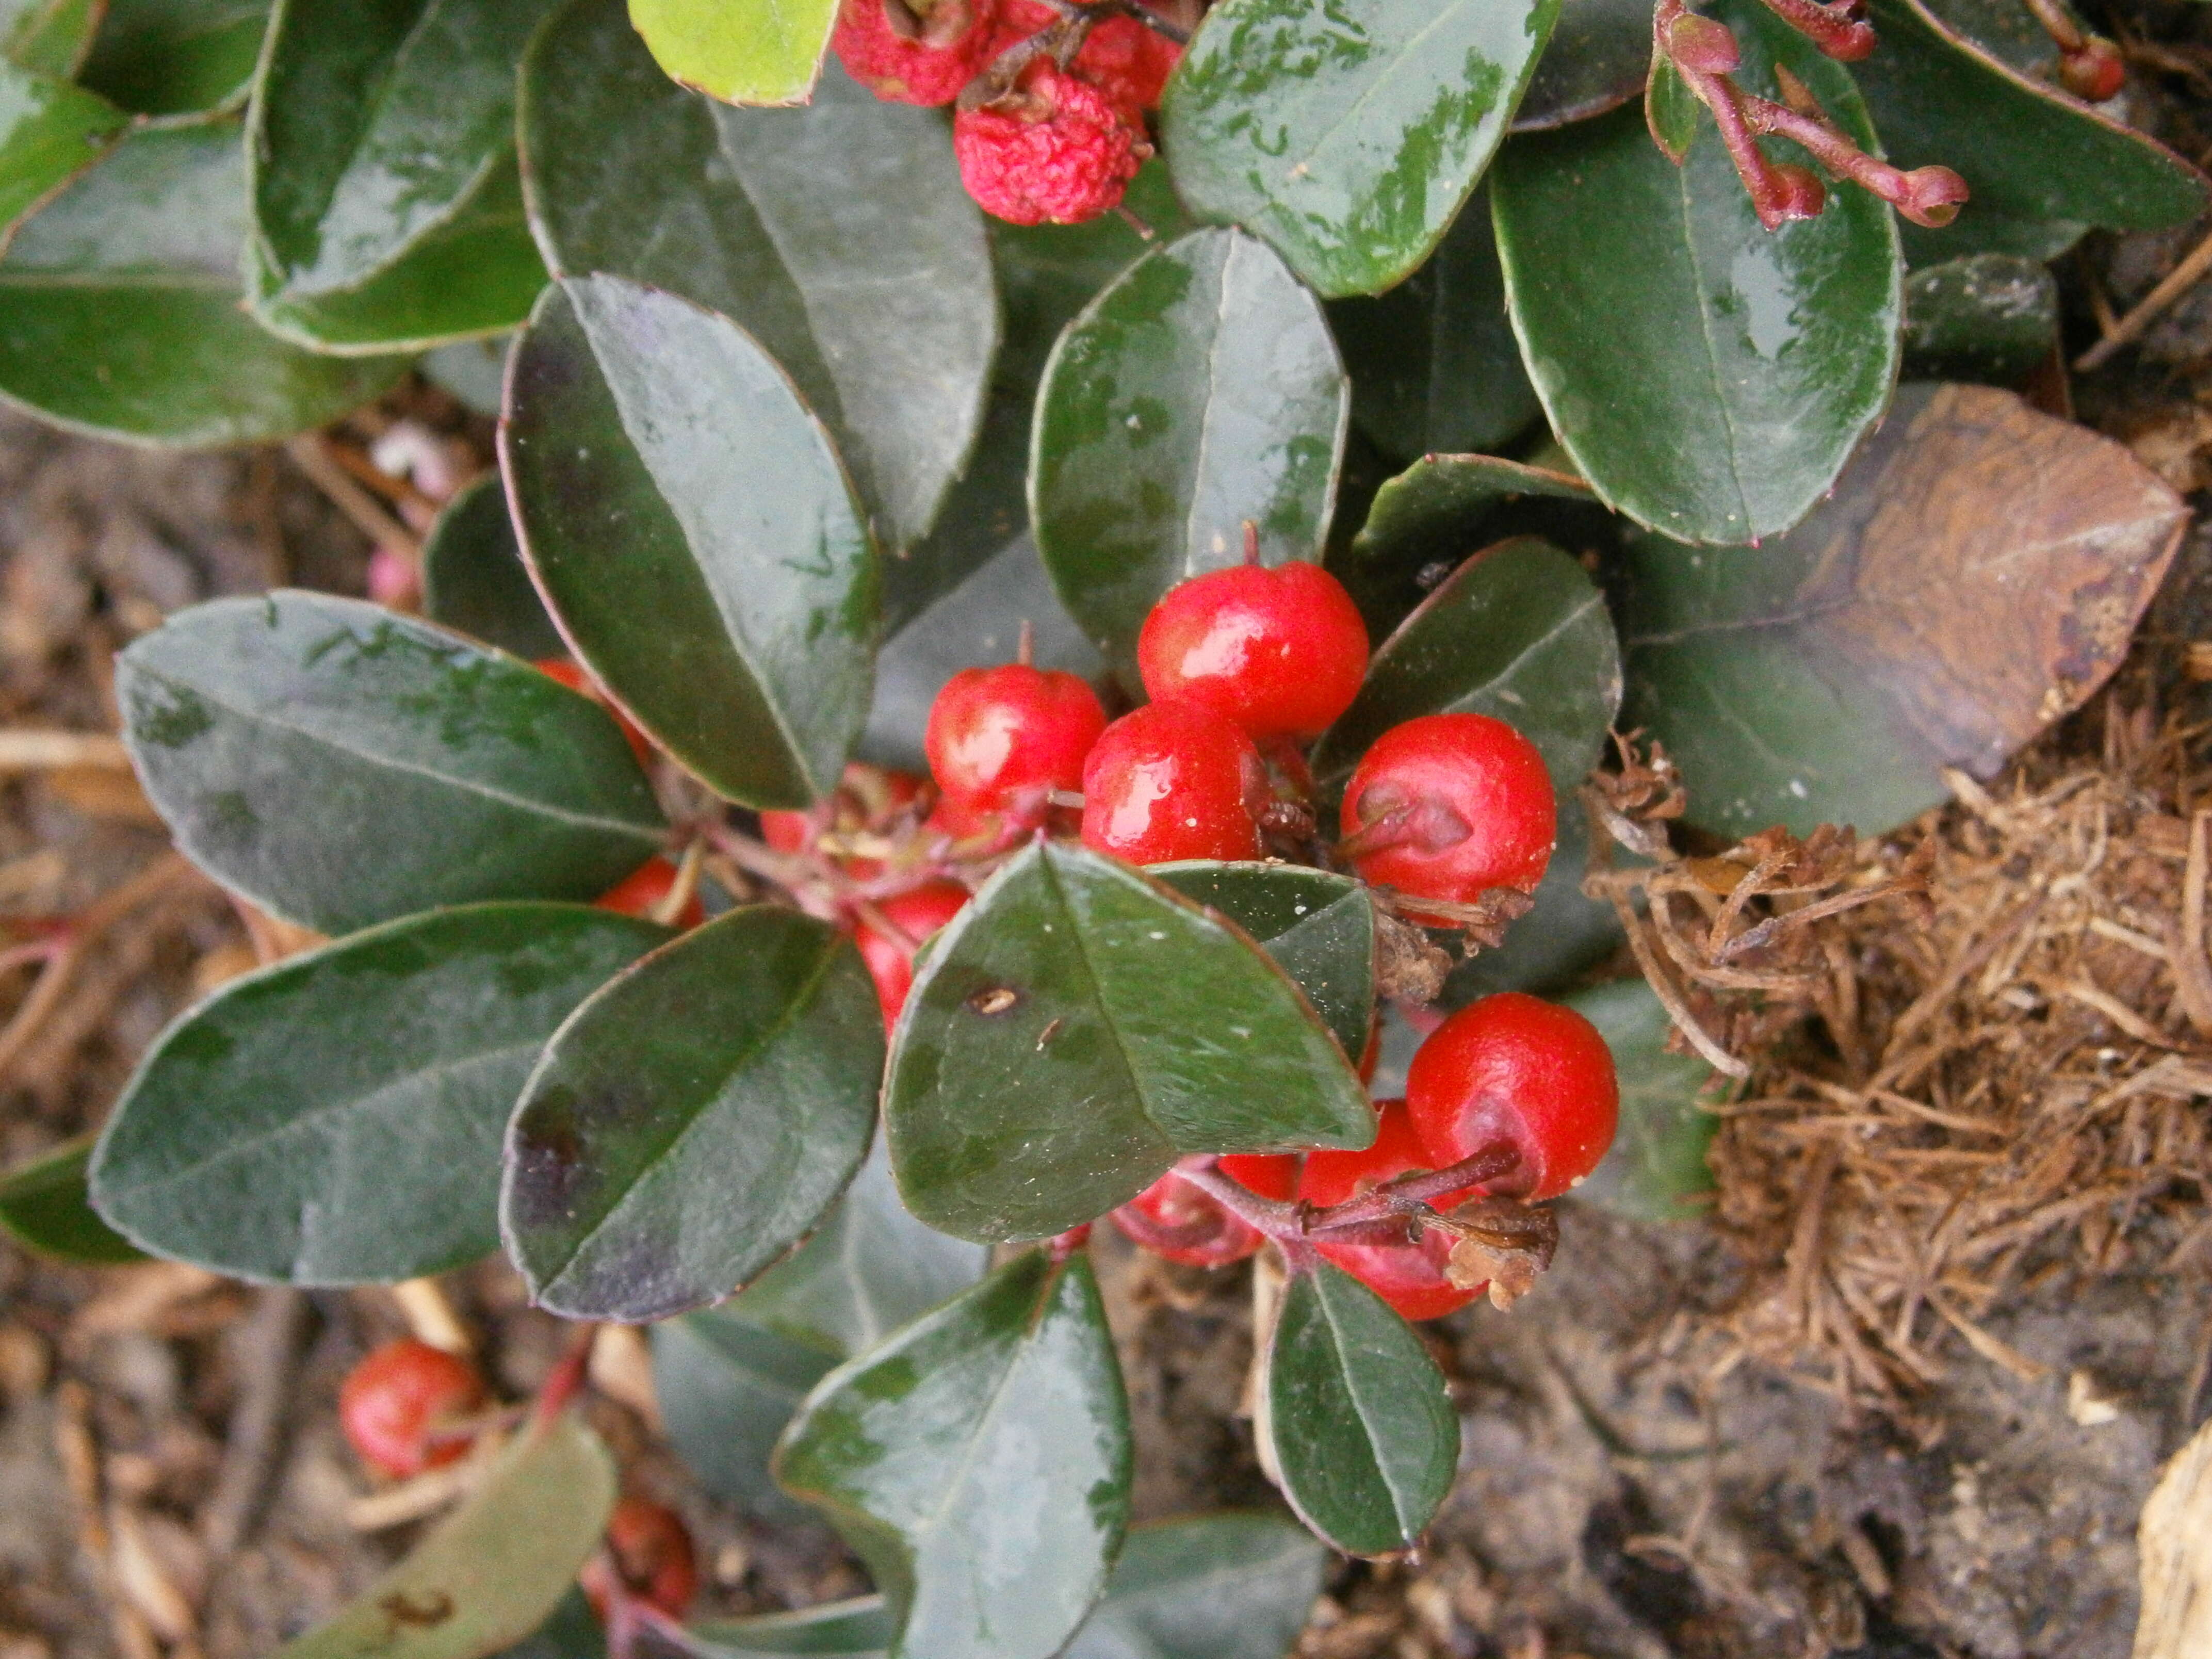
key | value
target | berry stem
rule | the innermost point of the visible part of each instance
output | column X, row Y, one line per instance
column 1251, row 542
column 566, row 1378
column 1386, row 1206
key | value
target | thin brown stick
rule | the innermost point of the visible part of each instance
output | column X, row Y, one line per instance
column 310, row 453
column 2147, row 310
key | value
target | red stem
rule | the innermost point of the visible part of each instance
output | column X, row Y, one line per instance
column 1393, row 1201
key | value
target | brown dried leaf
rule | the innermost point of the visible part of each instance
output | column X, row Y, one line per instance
column 1499, row 1242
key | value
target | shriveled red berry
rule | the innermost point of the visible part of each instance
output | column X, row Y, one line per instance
column 639, row 892
column 1448, row 806
column 393, row 1404
column 1126, row 61
column 1409, row 1275
column 1054, row 150
column 1515, row 1068
column 1004, row 738
column 650, row 1548
column 1179, row 1222
column 1173, row 781
column 571, row 674
column 1280, row 651
column 916, row 913
column 907, row 56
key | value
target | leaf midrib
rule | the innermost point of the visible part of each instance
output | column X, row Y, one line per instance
column 1352, row 1384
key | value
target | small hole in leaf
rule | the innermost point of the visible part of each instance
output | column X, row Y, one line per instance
column 996, row 1000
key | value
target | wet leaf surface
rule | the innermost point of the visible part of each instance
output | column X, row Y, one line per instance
column 1441, row 499
column 1756, row 360
column 726, row 1386
column 1347, row 137
column 1976, row 575
column 50, row 132
column 1319, row 928
column 1656, row 1169
column 44, row 1206
column 337, row 1119
column 749, row 51
column 474, row 579
column 1075, row 1030
column 340, row 764
column 1227, row 1586
column 979, row 1463
column 838, row 235
column 693, row 1120
column 688, row 520
column 176, row 57
column 48, row 37
column 1990, row 317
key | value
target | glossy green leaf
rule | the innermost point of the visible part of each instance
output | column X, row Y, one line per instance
column 487, row 1575
column 335, row 1119
column 742, row 52
column 474, row 579
column 1319, row 928
column 1347, row 137
column 859, row 1628
column 1077, row 1028
column 1366, row 1441
column 1671, row 110
column 693, row 1120
column 44, row 1206
column 120, row 311
column 1597, row 61
column 688, row 521
column 2040, row 165
column 1990, row 317
column 1443, row 499
column 177, row 57
column 50, row 131
column 1200, row 391
column 1434, row 363
column 380, row 145
column 571, row 1630
column 48, row 37
column 726, row 1386
column 1978, row 573
column 1228, row 1586
column 340, row 764
column 474, row 371
column 838, row 235
column 1656, row 1169
column 1754, row 360
column 979, row 1463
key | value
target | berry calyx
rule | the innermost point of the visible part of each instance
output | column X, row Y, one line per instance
column 907, row 56
column 1449, row 807
column 1004, row 738
column 868, row 801
column 651, row 1549
column 1174, row 781
column 1280, row 651
column 1513, row 1067
column 394, row 1405
column 1055, row 150
column 571, row 673
column 640, row 892
column 1179, row 1222
column 917, row 914
column 1408, row 1274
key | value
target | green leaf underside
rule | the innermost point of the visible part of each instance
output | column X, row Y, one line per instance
column 979, row 1463
column 1363, row 1430
column 838, row 235
column 1596, row 60
column 1319, row 929
column 693, row 1120
column 1830, row 674
column 726, row 1386
column 1519, row 632
column 1200, row 389
column 474, row 579
column 120, row 311
column 1671, row 109
column 689, row 525
column 1077, row 1028
column 44, row 1206
column 381, row 145
column 1990, row 317
column 488, row 1575
column 1347, row 137
column 47, row 37
column 50, row 131
column 742, row 52
column 1755, row 359
column 342, row 765
column 177, row 57
column 1440, row 497
column 1656, row 1169
column 337, row 1119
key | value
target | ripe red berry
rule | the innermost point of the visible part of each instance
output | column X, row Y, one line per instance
column 1173, row 781
column 916, row 913
column 1280, row 651
column 1179, row 1222
column 639, row 892
column 1448, row 806
column 909, row 59
column 1512, row 1067
column 1126, row 61
column 652, row 1550
column 1409, row 1275
column 571, row 674
column 392, row 1405
column 1055, row 149
column 1004, row 738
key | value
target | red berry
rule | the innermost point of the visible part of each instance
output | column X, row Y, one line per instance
column 1271, row 1174
column 1055, row 149
column 1173, row 781
column 1448, row 806
column 908, row 59
column 392, row 1406
column 637, row 893
column 652, row 1551
column 1126, row 61
column 1005, row 737
column 571, row 674
column 1409, row 1276
column 1512, row 1067
column 917, row 914
column 1280, row 651
column 1182, row 1223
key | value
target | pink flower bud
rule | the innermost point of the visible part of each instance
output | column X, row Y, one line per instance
column 1702, row 44
column 2095, row 72
column 1932, row 196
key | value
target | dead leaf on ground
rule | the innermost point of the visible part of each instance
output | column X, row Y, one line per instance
column 2175, row 1537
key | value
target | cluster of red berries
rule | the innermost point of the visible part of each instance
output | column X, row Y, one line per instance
column 1052, row 97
